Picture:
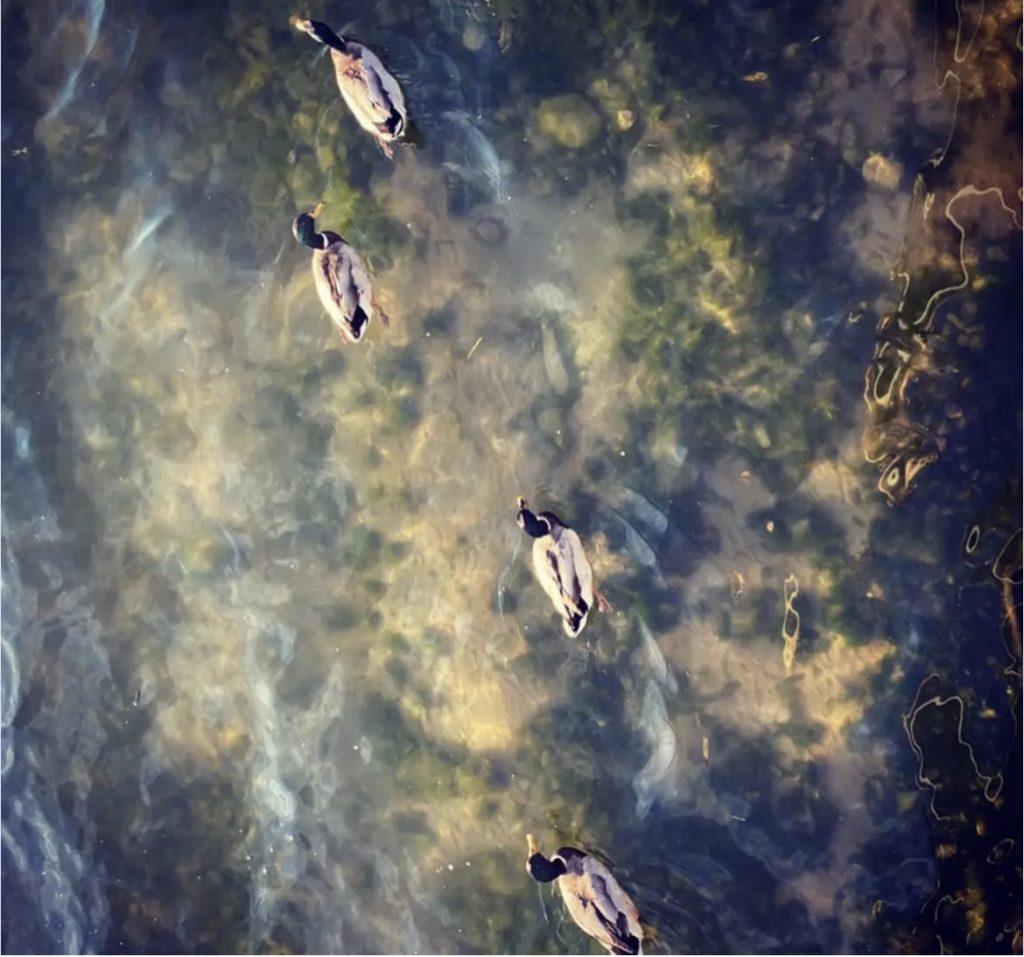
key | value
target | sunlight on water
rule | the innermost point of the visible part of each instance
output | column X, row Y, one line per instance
column 723, row 286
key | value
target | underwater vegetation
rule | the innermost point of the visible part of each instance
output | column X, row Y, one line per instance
column 724, row 286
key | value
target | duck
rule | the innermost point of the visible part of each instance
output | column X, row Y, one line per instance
column 561, row 566
column 371, row 93
column 594, row 898
column 341, row 279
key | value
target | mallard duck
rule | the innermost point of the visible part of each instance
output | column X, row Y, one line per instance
column 370, row 92
column 340, row 276
column 594, row 899
column 562, row 568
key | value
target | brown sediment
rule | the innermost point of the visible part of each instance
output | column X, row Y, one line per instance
column 1011, row 614
column 790, row 623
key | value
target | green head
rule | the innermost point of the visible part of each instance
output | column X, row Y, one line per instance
column 539, row 867
column 304, row 229
column 319, row 32
column 536, row 526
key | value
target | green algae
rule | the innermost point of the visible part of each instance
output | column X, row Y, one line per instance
column 717, row 369
column 569, row 120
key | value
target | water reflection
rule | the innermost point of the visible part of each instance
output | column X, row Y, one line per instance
column 276, row 675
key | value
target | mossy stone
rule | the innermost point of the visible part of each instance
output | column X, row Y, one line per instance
column 569, row 120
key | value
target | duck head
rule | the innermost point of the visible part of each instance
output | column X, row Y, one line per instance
column 304, row 229
column 539, row 867
column 536, row 526
column 319, row 32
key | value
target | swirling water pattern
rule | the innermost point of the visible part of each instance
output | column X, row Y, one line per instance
column 275, row 674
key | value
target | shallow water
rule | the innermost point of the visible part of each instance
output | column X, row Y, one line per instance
column 276, row 675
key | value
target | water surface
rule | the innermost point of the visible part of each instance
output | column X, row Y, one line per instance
column 732, row 287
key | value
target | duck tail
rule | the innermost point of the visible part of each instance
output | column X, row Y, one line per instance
column 393, row 126
column 574, row 623
column 629, row 946
column 395, row 123
column 352, row 330
column 575, row 619
column 359, row 321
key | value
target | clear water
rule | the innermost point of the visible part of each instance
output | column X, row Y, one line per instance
column 276, row 676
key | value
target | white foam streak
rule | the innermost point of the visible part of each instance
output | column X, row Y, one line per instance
column 49, row 842
column 662, row 742
column 96, row 10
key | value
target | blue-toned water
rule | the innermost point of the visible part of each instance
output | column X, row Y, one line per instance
column 733, row 288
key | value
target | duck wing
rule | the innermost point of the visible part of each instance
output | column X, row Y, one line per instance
column 371, row 93
column 344, row 287
column 590, row 903
column 380, row 96
column 614, row 920
column 556, row 564
column 385, row 93
column 583, row 574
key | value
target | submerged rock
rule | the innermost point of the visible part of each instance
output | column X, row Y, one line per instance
column 882, row 171
column 570, row 120
column 554, row 364
column 614, row 101
column 474, row 37
column 490, row 230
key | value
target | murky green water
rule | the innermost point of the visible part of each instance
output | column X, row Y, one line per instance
column 276, row 675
